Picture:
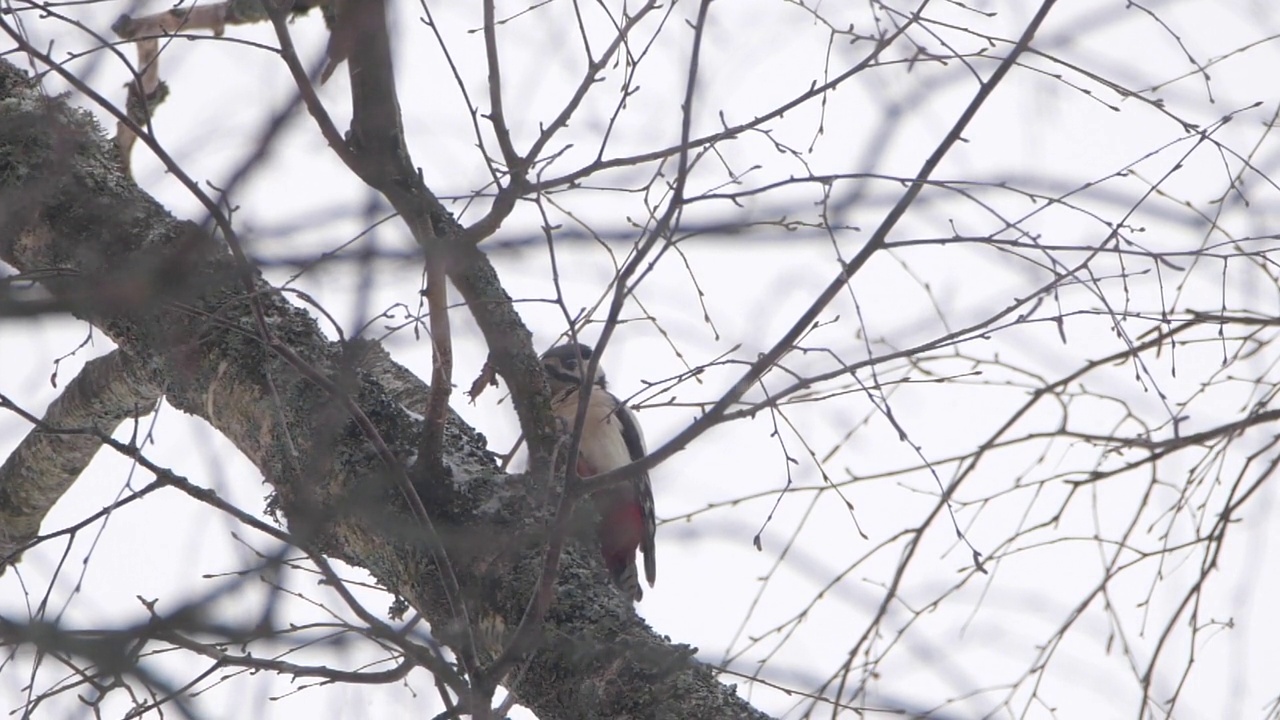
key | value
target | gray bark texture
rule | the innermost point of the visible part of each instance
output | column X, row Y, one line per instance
column 177, row 305
column 108, row 390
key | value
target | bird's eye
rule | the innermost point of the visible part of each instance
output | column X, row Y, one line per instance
column 570, row 364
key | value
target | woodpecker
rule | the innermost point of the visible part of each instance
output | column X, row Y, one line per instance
column 611, row 438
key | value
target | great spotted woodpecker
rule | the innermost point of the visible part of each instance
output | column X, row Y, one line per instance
column 611, row 438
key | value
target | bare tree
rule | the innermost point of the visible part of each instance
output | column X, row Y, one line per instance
column 957, row 329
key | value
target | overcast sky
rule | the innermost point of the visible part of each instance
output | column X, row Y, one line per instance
column 1115, row 120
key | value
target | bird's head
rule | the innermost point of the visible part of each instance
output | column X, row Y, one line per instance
column 565, row 365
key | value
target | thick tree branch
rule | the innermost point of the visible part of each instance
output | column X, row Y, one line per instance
column 108, row 390
column 379, row 156
column 66, row 204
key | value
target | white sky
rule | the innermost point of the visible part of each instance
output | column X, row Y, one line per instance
column 1038, row 133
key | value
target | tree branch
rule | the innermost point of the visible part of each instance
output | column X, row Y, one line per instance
column 65, row 203
column 108, row 391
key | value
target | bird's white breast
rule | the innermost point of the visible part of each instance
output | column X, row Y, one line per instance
column 603, row 447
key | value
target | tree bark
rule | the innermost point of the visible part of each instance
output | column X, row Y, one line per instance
column 174, row 301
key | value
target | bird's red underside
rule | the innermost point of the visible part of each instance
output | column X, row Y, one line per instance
column 621, row 524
